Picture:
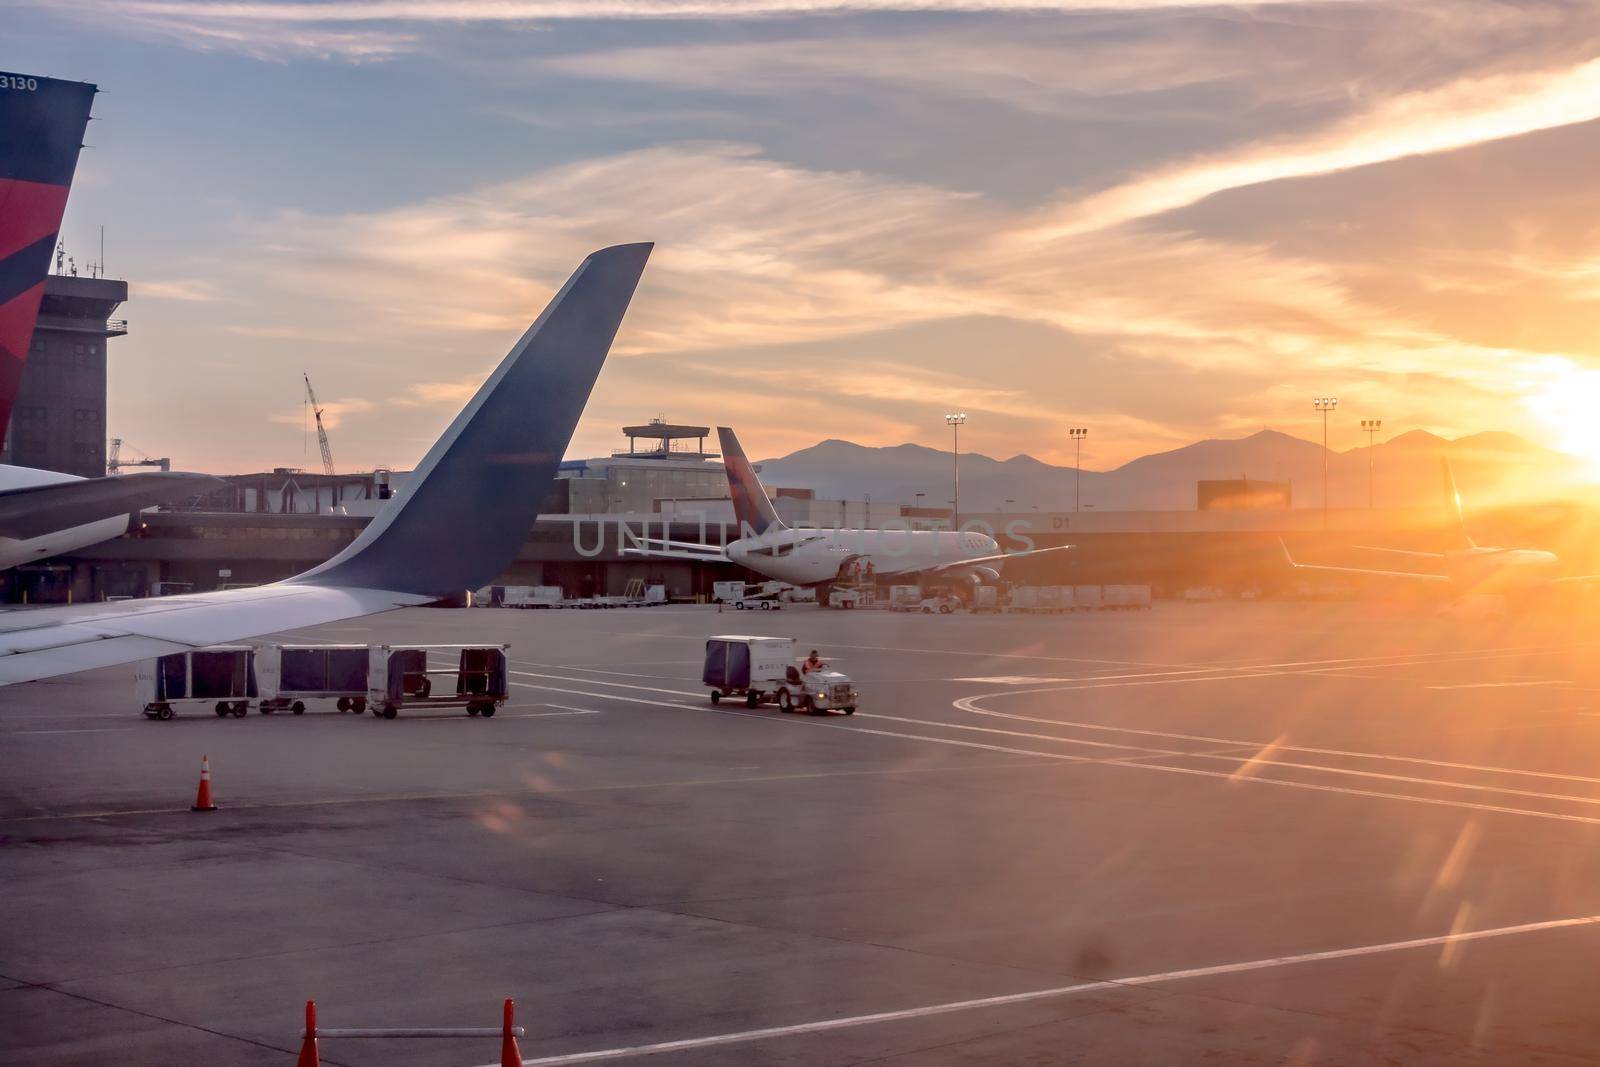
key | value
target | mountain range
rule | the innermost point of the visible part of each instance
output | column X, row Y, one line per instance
column 1489, row 467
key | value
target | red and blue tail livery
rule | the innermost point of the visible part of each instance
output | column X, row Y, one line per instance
column 42, row 121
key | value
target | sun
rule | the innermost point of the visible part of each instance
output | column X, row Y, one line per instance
column 1568, row 408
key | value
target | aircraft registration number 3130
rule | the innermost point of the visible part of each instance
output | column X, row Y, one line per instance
column 17, row 81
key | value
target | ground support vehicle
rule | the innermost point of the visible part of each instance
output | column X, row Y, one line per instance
column 290, row 675
column 764, row 670
column 223, row 678
column 400, row 676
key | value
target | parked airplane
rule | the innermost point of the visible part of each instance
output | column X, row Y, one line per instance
column 465, row 513
column 1467, row 565
column 45, row 513
column 811, row 557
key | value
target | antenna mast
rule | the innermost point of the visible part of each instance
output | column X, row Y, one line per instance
column 322, row 434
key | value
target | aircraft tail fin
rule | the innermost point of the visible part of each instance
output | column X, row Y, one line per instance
column 473, row 499
column 751, row 505
column 1452, row 503
column 43, row 120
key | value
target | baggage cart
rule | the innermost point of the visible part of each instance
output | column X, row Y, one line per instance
column 222, row 678
column 473, row 677
column 290, row 675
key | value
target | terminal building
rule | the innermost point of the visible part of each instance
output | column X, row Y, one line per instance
column 665, row 484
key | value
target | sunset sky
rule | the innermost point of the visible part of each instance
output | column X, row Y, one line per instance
column 1163, row 221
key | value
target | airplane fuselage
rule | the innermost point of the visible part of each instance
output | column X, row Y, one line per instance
column 811, row 557
column 1488, row 570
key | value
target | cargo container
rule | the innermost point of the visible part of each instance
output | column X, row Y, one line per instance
column 223, row 677
column 290, row 675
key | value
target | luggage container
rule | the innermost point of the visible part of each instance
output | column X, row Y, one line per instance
column 531, row 596
column 1127, row 597
column 223, row 677
column 399, row 676
column 1024, row 597
column 1049, row 598
column 986, row 598
column 1086, row 597
column 290, row 675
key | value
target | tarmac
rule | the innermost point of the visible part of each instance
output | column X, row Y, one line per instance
column 1236, row 832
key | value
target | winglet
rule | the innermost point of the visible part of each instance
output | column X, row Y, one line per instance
column 751, row 505
column 475, row 496
column 1287, row 557
column 43, row 120
column 1452, row 503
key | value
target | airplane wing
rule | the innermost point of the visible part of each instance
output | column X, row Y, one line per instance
column 998, row 557
column 33, row 511
column 466, row 512
column 677, row 554
column 1576, row 579
column 1410, row 575
column 664, row 548
column 43, row 642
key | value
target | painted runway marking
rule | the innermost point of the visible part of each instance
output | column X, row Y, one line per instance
column 1014, row 679
column 1005, row 1000
column 617, row 685
column 566, row 709
column 1259, row 758
column 1499, row 685
column 970, row 704
column 1133, row 761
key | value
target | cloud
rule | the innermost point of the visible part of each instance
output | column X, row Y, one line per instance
column 774, row 281
column 1016, row 66
column 333, row 413
column 445, row 394
column 187, row 290
column 376, row 30
column 1465, row 112
column 531, row 10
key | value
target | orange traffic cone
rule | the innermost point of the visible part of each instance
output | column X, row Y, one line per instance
column 510, row 1055
column 308, row 1047
column 202, row 800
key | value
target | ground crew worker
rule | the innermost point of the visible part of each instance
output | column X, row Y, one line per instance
column 813, row 662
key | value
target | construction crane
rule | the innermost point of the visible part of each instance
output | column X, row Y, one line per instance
column 115, row 462
column 322, row 434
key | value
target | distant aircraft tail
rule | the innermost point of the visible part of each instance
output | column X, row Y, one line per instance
column 1452, row 503
column 751, row 505
column 473, row 499
column 41, row 130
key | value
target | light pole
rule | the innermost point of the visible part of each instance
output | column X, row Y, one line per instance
column 1371, row 426
column 1325, row 404
column 1077, row 433
column 955, row 420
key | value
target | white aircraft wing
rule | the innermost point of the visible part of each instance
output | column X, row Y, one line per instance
column 1576, row 579
column 713, row 556
column 998, row 557
column 659, row 546
column 1408, row 575
column 41, row 642
column 465, row 513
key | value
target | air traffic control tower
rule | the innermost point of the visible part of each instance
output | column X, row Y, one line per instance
column 59, row 422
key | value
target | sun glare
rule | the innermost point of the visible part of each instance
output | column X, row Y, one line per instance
column 1569, row 409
